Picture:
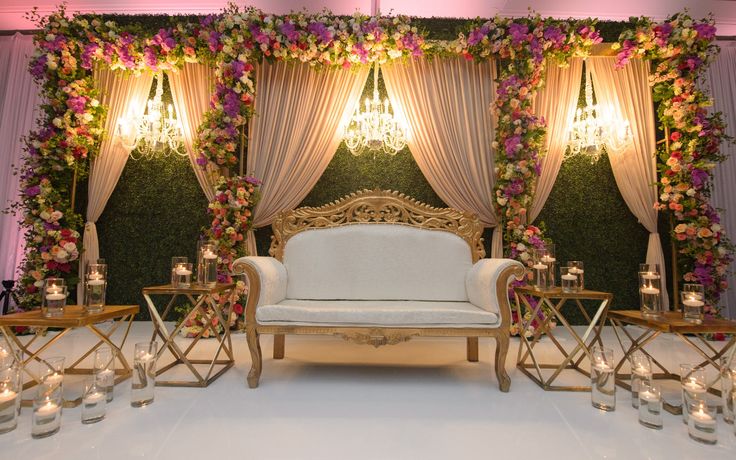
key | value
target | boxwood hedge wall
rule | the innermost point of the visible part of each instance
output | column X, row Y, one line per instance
column 158, row 209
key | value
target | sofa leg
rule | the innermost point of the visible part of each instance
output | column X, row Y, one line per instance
column 254, row 345
column 502, row 348
column 473, row 349
column 279, row 341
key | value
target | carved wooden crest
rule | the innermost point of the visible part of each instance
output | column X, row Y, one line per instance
column 376, row 337
column 377, row 207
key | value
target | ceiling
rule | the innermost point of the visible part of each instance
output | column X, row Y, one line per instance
column 12, row 11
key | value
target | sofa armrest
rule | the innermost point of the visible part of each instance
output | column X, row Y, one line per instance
column 267, row 280
column 487, row 284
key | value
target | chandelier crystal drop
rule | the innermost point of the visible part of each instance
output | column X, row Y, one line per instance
column 375, row 128
column 595, row 128
column 155, row 133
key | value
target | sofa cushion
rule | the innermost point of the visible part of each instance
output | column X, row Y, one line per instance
column 377, row 262
column 375, row 313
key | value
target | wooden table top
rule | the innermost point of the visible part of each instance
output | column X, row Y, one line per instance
column 673, row 322
column 74, row 316
column 556, row 293
column 194, row 288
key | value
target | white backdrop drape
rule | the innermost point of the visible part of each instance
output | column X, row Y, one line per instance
column 123, row 95
column 556, row 102
column 720, row 78
column 295, row 131
column 627, row 92
column 447, row 105
column 20, row 100
column 191, row 91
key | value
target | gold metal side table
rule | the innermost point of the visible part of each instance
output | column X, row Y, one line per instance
column 74, row 317
column 200, row 297
column 555, row 300
column 671, row 323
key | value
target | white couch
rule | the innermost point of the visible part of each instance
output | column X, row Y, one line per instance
column 377, row 282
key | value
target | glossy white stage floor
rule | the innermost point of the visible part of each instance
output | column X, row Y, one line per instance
column 332, row 399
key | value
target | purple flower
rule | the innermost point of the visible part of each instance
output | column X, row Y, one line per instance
column 693, row 62
column 360, row 51
column 476, row 36
column 518, row 32
column 511, row 144
column 252, row 180
column 238, row 68
column 38, row 67
column 231, row 104
column 201, row 160
column 214, row 41
column 663, row 30
column 33, row 191
column 164, row 40
column 705, row 31
column 320, row 30
column 207, row 20
column 515, row 187
column 554, row 34
column 258, row 34
column 150, row 58
column 76, row 103
column 289, row 30
column 699, row 177
column 88, row 54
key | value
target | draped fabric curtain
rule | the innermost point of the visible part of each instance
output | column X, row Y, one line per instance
column 626, row 91
column 296, row 129
column 447, row 104
column 556, row 103
column 20, row 100
column 720, row 77
column 191, row 91
column 122, row 94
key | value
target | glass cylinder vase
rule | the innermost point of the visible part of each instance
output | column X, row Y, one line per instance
column 650, row 291
column 702, row 425
column 144, row 374
column 46, row 419
column 95, row 287
column 53, row 297
column 576, row 268
column 693, row 384
column 105, row 371
column 650, row 406
column 181, row 272
column 641, row 372
column 602, row 379
column 209, row 264
column 94, row 402
column 728, row 388
column 692, row 298
column 10, row 395
column 201, row 272
column 568, row 280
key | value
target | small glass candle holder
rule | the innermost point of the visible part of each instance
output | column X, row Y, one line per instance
column 94, row 402
column 728, row 388
column 53, row 298
column 144, row 374
column 10, row 396
column 694, row 386
column 702, row 425
column 602, row 379
column 181, row 274
column 576, row 268
column 641, row 372
column 95, row 287
column 568, row 281
column 692, row 298
column 105, row 371
column 650, row 292
column 177, row 263
column 650, row 406
column 46, row 419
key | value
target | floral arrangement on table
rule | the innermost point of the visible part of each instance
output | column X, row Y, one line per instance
column 681, row 49
column 523, row 45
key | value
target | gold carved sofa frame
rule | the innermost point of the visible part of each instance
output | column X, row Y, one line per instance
column 377, row 207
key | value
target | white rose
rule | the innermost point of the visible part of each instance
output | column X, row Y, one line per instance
column 716, row 228
column 502, row 200
column 524, row 256
column 38, row 283
column 70, row 247
column 393, row 54
column 521, row 247
column 690, row 192
column 44, row 215
column 61, row 256
column 664, row 197
column 57, row 122
column 94, row 102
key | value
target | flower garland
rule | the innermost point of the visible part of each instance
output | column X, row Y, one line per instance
column 523, row 45
column 681, row 50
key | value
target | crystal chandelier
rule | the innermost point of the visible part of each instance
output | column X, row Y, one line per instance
column 155, row 133
column 595, row 128
column 375, row 128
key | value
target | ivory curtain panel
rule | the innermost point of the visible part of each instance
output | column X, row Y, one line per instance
column 720, row 77
column 556, row 103
column 191, row 90
column 296, row 129
column 20, row 100
column 447, row 104
column 123, row 94
column 627, row 92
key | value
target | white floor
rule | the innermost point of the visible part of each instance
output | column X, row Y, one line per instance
column 332, row 399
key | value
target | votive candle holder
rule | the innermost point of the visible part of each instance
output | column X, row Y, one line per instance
column 650, row 406
column 650, row 291
column 641, row 372
column 53, row 298
column 694, row 387
column 46, row 419
column 95, row 288
column 105, row 371
column 143, row 381
column 692, row 298
column 94, row 402
column 10, row 395
column 568, row 280
column 702, row 425
column 602, row 379
column 577, row 268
